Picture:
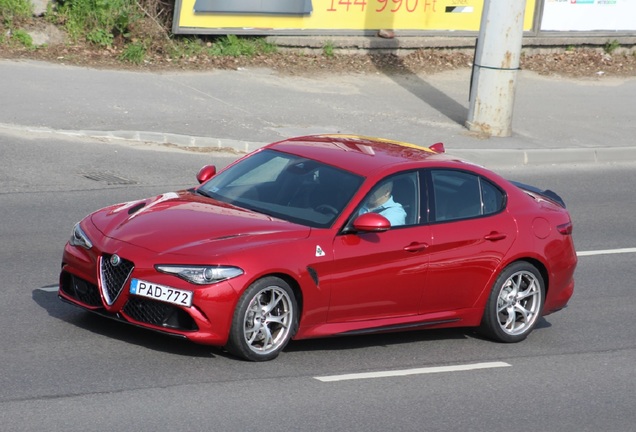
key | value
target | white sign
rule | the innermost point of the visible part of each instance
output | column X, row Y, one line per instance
column 589, row 15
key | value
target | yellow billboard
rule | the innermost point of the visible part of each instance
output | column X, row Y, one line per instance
column 330, row 16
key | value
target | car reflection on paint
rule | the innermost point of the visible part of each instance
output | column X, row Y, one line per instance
column 327, row 235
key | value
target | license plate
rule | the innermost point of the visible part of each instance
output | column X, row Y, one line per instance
column 161, row 292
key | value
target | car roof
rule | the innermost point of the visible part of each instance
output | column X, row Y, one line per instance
column 359, row 154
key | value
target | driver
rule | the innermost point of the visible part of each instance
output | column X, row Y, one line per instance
column 381, row 201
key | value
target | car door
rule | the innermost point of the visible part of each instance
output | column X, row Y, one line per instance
column 381, row 274
column 471, row 232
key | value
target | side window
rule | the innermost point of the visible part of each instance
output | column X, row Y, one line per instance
column 491, row 197
column 462, row 195
column 396, row 198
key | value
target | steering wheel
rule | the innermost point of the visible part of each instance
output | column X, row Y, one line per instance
column 326, row 209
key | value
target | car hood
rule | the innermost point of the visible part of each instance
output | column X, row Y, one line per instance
column 176, row 222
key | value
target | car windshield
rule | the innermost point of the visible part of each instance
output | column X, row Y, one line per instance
column 285, row 186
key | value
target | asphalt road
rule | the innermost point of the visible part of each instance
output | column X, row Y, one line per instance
column 66, row 370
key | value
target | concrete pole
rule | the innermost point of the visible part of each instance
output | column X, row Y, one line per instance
column 497, row 57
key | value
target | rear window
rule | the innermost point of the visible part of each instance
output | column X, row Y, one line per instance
column 461, row 195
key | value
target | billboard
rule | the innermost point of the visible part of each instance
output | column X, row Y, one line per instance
column 589, row 15
column 270, row 17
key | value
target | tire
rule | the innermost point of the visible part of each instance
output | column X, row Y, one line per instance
column 515, row 304
column 264, row 321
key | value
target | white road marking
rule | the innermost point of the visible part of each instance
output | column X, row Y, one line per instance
column 52, row 288
column 418, row 371
column 606, row 252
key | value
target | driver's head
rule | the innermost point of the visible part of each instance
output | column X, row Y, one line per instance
column 380, row 195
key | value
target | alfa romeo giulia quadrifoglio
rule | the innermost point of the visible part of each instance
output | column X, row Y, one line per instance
column 327, row 235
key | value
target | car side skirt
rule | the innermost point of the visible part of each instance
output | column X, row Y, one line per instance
column 459, row 318
column 399, row 327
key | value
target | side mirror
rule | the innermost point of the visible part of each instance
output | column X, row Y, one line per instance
column 206, row 173
column 371, row 222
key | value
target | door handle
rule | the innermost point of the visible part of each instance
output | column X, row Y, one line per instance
column 495, row 236
column 415, row 247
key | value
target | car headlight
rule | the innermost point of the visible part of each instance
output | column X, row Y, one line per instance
column 79, row 238
column 201, row 275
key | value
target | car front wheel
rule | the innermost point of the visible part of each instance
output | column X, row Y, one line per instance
column 515, row 303
column 264, row 320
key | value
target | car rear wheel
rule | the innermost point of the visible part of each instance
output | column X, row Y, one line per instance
column 264, row 320
column 515, row 303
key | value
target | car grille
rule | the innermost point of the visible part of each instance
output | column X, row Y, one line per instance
column 113, row 275
column 81, row 290
column 159, row 314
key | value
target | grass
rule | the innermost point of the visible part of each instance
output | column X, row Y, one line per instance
column 102, row 22
column 138, row 29
column 97, row 21
column 234, row 46
column 228, row 46
column 611, row 46
column 327, row 49
column 134, row 52
column 23, row 38
column 188, row 46
column 14, row 12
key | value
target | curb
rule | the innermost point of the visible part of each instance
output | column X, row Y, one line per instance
column 405, row 42
column 546, row 157
column 177, row 140
column 486, row 157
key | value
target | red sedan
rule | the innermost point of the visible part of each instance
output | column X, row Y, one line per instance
column 327, row 235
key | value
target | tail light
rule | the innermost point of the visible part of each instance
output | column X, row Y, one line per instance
column 565, row 229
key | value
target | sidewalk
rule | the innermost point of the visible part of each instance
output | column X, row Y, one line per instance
column 555, row 121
